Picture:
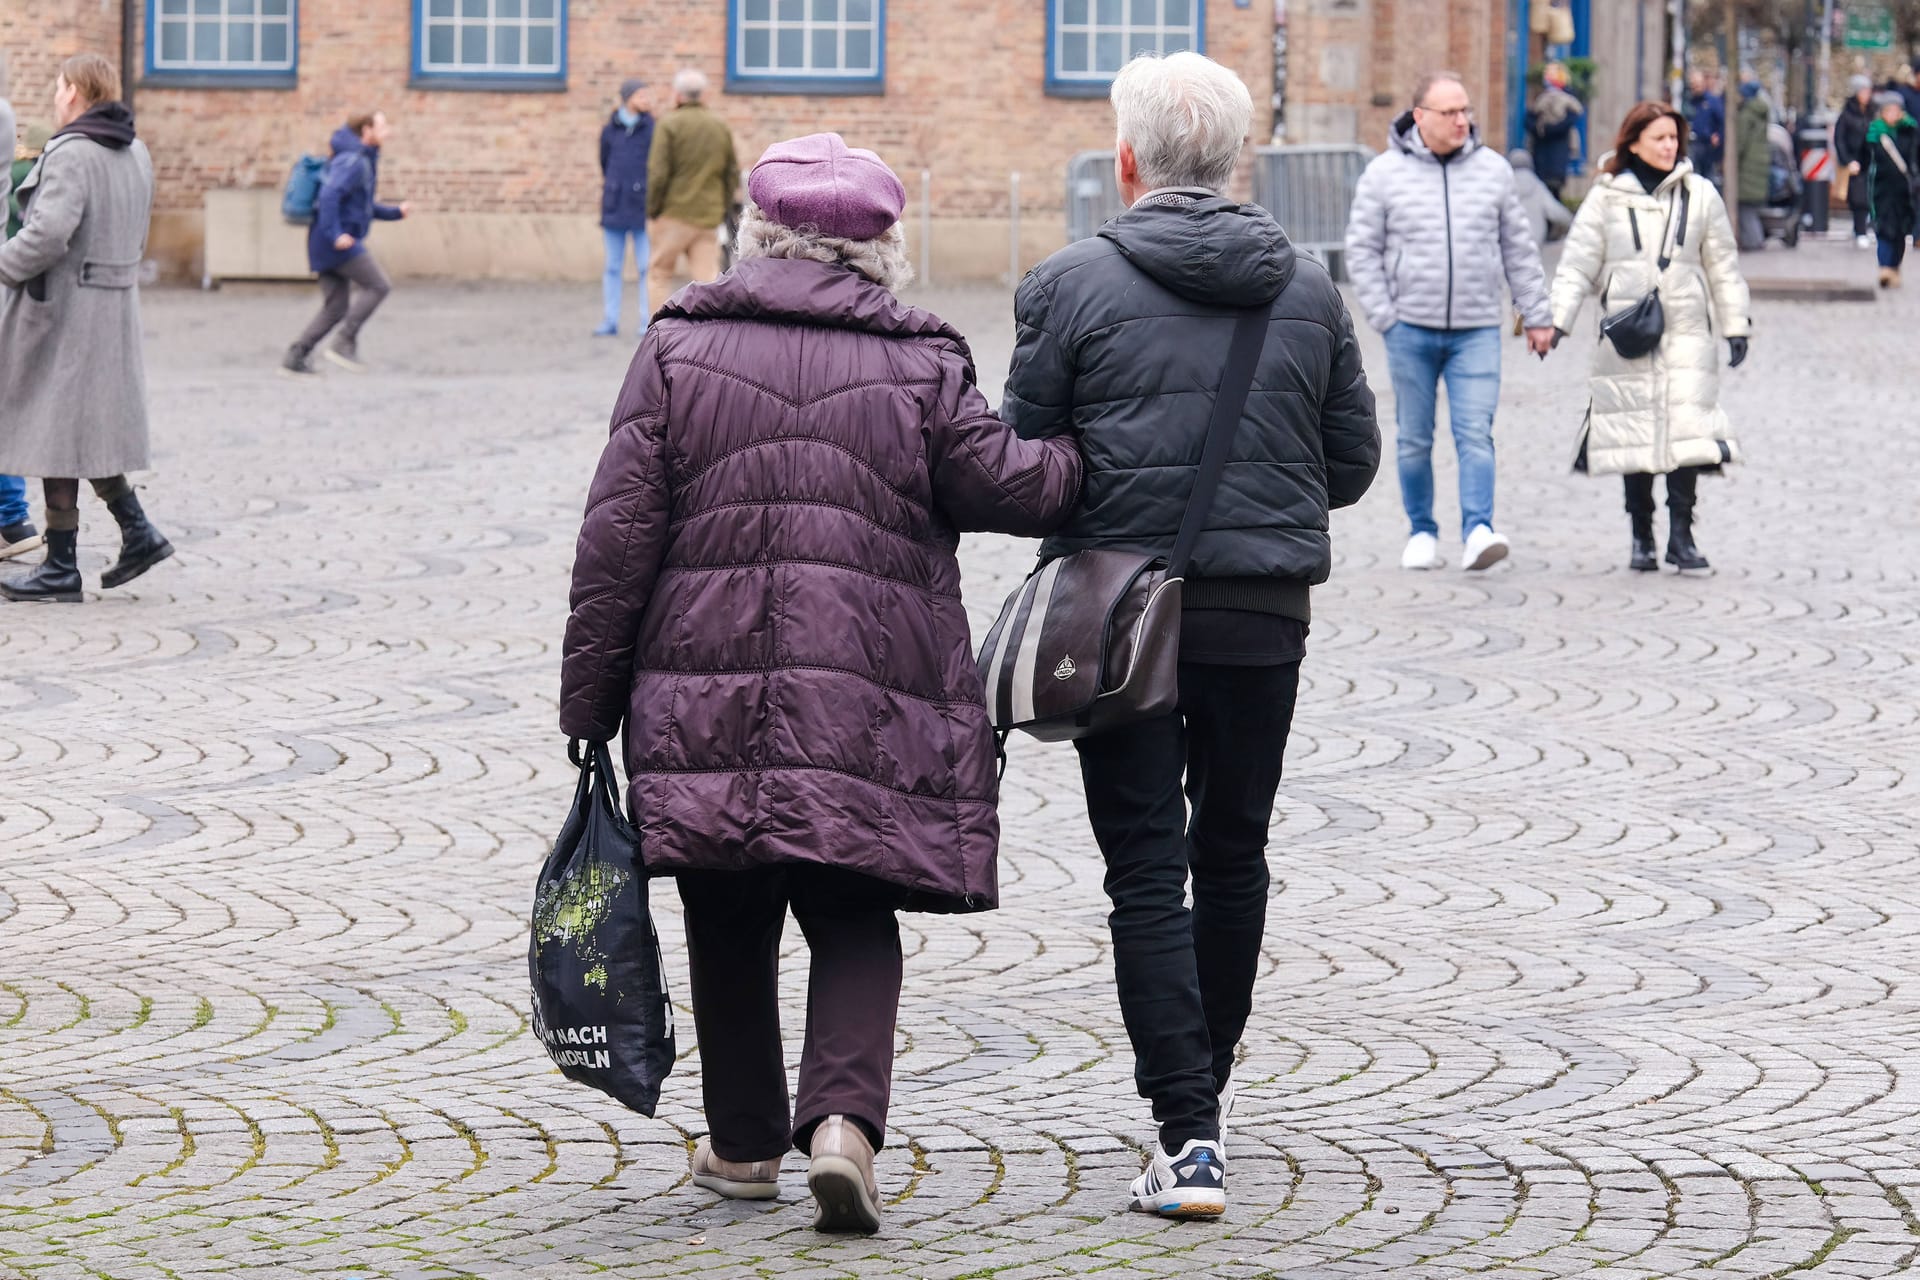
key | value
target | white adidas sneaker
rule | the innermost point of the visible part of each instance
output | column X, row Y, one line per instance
column 1423, row 552
column 1484, row 548
column 1192, row 1184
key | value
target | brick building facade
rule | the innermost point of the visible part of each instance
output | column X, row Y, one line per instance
column 1351, row 64
column 504, row 180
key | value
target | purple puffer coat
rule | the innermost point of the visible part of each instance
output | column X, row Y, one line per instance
column 765, row 588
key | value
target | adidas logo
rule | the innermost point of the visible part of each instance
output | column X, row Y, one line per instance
column 1066, row 669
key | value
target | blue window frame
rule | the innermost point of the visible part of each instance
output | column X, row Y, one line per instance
column 490, row 44
column 807, row 46
column 1088, row 41
column 233, row 44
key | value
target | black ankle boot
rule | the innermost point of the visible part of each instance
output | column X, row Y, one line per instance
column 57, row 578
column 141, row 545
column 1681, row 553
column 1645, row 558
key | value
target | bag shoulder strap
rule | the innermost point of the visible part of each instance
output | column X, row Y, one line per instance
column 1243, row 356
column 1684, row 200
column 1892, row 149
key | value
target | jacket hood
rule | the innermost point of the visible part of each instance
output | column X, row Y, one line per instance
column 1206, row 248
column 825, row 295
column 110, row 124
column 345, row 140
column 1406, row 138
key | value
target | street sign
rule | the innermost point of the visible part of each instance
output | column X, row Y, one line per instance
column 1817, row 166
column 1869, row 26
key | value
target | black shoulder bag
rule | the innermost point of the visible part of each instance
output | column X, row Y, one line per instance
column 1637, row 331
column 1091, row 641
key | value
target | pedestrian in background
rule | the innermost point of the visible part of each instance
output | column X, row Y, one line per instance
column 1436, row 224
column 1658, row 414
column 33, row 140
column 625, row 141
column 692, row 173
column 1753, row 119
column 766, row 594
column 1707, row 122
column 1121, row 342
column 1905, row 81
column 352, row 284
column 1893, row 166
column 17, row 533
column 1850, row 153
column 72, row 372
column 1547, row 217
column 1550, row 124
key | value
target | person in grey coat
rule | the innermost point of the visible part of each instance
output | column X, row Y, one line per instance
column 70, row 358
column 1436, row 224
column 1547, row 218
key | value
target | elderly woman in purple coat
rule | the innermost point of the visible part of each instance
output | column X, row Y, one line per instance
column 765, row 595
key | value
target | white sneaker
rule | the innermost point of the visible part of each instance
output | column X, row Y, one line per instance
column 1192, row 1184
column 1863, row 242
column 1226, row 1112
column 1484, row 549
column 1423, row 552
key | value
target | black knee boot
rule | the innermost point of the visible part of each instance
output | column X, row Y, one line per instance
column 1645, row 558
column 141, row 545
column 57, row 578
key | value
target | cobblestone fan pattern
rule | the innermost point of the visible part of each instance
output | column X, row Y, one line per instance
column 1593, row 934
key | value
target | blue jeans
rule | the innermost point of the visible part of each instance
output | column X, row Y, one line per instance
column 13, row 501
column 610, row 285
column 1893, row 251
column 1469, row 361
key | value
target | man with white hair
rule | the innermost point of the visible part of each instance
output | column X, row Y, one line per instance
column 1435, row 231
column 692, row 173
column 1122, row 341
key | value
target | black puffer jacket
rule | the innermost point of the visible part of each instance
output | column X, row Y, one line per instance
column 1122, row 340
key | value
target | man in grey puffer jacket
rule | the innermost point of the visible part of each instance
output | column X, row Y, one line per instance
column 1436, row 224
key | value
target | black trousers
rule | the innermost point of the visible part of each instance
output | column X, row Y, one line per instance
column 1185, row 978
column 1681, row 487
column 734, row 920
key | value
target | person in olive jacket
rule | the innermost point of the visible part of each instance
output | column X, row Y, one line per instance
column 692, row 171
column 1121, row 342
column 625, row 142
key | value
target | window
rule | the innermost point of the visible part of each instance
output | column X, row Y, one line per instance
column 490, row 44
column 807, row 46
column 1088, row 41
column 231, row 43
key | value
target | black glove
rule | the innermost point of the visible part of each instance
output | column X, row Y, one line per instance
column 1736, row 352
column 1557, row 335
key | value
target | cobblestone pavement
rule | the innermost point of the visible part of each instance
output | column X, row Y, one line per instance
column 1593, row 934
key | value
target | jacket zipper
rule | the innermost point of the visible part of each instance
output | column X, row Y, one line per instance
column 1446, row 202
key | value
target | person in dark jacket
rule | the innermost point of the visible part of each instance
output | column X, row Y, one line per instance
column 352, row 285
column 1707, row 123
column 17, row 533
column 1550, row 124
column 625, row 141
column 1893, row 165
column 1120, row 342
column 766, row 594
column 1850, row 153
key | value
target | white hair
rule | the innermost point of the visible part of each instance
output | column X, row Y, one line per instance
column 1186, row 118
column 689, row 83
column 882, row 259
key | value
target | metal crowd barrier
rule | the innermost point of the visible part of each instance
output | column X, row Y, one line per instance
column 1308, row 190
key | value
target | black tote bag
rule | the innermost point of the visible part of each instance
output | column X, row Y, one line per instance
column 600, row 1002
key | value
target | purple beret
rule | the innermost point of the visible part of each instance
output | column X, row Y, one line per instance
column 819, row 181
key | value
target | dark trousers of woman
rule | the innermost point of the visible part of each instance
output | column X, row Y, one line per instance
column 63, row 498
column 1185, row 977
column 1681, row 485
column 1893, row 251
column 734, row 921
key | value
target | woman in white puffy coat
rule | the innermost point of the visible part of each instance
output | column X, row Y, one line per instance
column 1659, row 414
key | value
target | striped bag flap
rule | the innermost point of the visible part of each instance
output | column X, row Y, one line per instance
column 1065, row 636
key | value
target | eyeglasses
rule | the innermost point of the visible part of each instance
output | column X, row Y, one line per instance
column 1458, row 113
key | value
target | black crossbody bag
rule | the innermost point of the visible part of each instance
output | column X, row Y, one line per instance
column 1637, row 331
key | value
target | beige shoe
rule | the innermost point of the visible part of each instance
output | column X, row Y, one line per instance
column 759, row 1180
column 841, row 1178
column 1887, row 277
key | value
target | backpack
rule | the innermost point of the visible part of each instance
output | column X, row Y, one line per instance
column 302, row 192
